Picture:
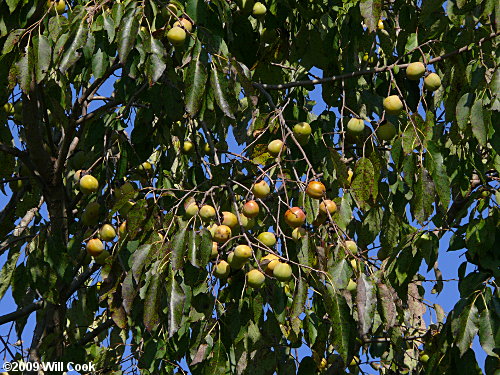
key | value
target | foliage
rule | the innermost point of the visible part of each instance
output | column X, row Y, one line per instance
column 100, row 90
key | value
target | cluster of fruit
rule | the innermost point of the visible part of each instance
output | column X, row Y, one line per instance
column 271, row 264
column 393, row 104
column 95, row 248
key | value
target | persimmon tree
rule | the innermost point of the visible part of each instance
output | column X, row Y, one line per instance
column 177, row 196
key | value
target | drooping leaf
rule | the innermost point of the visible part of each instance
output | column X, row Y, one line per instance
column 177, row 248
column 176, row 300
column 366, row 301
column 127, row 34
column 464, row 324
column 438, row 173
column 299, row 298
column 220, row 86
column 196, row 81
column 152, row 300
column 424, row 196
column 371, row 11
column 72, row 53
column 364, row 186
column 479, row 128
column 343, row 327
column 43, row 53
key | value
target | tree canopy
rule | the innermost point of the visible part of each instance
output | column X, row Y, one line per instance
column 178, row 201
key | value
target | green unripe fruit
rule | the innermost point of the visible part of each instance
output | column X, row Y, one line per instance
column 301, row 132
column 229, row 219
column 122, row 229
column 88, row 184
column 267, row 238
column 234, row 262
column 184, row 23
column 215, row 251
column 355, row 127
column 172, row 7
column 56, row 6
column 9, row 108
column 424, row 358
column 327, row 206
column 107, row 233
column 187, row 147
column 243, row 252
column 222, row 233
column 393, row 105
column 94, row 247
column 432, row 82
column 255, row 279
column 282, row 272
column 222, row 270
column 261, row 189
column 274, row 147
column 415, row 71
column 207, row 212
column 351, row 246
column 386, row 131
column 176, row 36
column 259, row 9
column 192, row 209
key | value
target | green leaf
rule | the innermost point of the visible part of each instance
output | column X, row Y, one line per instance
column 152, row 300
column 72, row 53
column 12, row 5
column 340, row 272
column 424, row 196
column 43, row 53
column 464, row 324
column 196, row 81
column 12, row 40
column 437, row 170
column 463, row 110
column 25, row 70
column 366, row 301
column 127, row 34
column 177, row 247
column 8, row 270
column 364, row 186
column 489, row 334
column 411, row 138
column 299, row 298
column 479, row 128
column 371, row 11
column 109, row 26
column 99, row 63
column 155, row 67
column 305, row 252
column 223, row 96
column 343, row 326
column 176, row 299
column 138, row 260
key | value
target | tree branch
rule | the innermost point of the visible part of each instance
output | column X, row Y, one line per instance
column 94, row 333
column 21, row 312
column 370, row 71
